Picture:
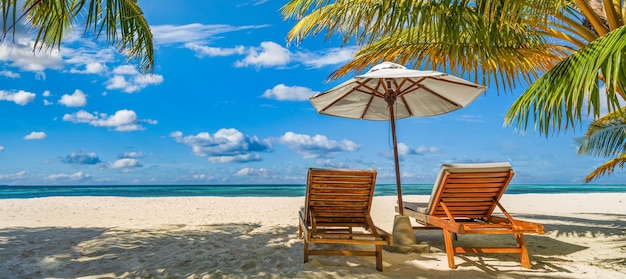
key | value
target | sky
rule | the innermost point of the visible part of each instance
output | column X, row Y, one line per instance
column 228, row 104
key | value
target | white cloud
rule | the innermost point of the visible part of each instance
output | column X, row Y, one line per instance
column 316, row 146
column 252, row 172
column 202, row 51
column 128, row 79
column 282, row 92
column 78, row 99
column 125, row 70
column 91, row 68
column 145, row 80
column 425, row 149
column 9, row 74
column 77, row 176
column 20, row 54
column 21, row 97
column 125, row 163
column 326, row 57
column 269, row 54
column 240, row 158
column 122, row 121
column 195, row 32
column 13, row 176
column 1, row 148
column 36, row 136
column 202, row 176
column 91, row 58
column 225, row 146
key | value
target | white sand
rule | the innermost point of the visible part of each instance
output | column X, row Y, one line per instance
column 214, row 237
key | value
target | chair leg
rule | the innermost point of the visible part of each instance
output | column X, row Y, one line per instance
column 521, row 243
column 449, row 248
column 379, row 258
column 306, row 251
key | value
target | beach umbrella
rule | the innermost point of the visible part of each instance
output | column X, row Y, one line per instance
column 389, row 91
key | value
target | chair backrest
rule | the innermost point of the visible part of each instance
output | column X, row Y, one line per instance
column 469, row 190
column 339, row 197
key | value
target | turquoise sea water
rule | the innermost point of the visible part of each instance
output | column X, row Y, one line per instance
column 11, row 192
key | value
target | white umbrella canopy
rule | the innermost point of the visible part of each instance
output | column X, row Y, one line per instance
column 390, row 91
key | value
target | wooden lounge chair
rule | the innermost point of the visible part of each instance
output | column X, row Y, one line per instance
column 462, row 202
column 338, row 202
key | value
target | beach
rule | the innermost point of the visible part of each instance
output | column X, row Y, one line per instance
column 256, row 237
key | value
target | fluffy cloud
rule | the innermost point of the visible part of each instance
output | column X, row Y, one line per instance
column 316, row 146
column 21, row 97
column 91, row 68
column 1, row 148
column 81, row 158
column 125, row 164
column 77, row 176
column 282, row 92
column 122, row 120
column 225, row 146
column 269, row 54
column 77, row 99
column 36, row 136
column 129, row 80
column 20, row 54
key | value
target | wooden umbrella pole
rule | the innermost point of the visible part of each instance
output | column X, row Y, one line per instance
column 395, row 157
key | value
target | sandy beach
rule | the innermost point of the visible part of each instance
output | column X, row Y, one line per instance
column 251, row 237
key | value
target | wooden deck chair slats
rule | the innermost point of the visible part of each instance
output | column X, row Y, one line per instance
column 463, row 200
column 337, row 202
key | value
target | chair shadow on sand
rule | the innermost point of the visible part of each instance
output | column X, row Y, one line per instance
column 239, row 250
column 546, row 252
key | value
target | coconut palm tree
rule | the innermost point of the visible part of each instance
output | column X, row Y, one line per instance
column 121, row 21
column 570, row 52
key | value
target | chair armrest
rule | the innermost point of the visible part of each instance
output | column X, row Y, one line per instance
column 303, row 225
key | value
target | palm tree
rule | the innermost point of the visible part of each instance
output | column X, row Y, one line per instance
column 568, row 51
column 121, row 20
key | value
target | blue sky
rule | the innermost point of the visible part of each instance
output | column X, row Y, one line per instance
column 228, row 104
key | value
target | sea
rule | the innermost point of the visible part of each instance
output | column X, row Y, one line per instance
column 23, row 192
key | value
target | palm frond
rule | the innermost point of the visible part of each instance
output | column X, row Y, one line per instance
column 121, row 20
column 557, row 100
column 605, row 137
column 607, row 168
column 479, row 54
column 366, row 21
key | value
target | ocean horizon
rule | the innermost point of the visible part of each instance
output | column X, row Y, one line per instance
column 263, row 190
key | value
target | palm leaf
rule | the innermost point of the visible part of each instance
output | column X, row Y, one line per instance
column 485, row 53
column 367, row 21
column 605, row 137
column 607, row 168
column 121, row 20
column 557, row 100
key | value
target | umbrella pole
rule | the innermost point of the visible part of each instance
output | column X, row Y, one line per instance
column 395, row 157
